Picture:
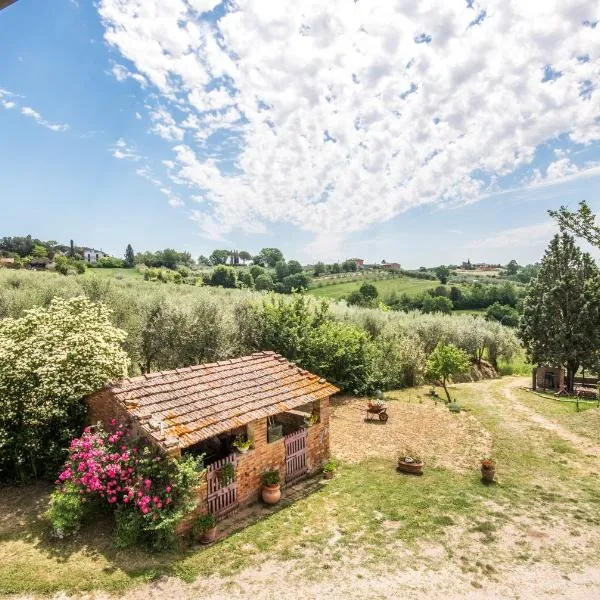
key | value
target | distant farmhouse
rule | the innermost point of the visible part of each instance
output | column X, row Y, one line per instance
column 92, row 256
column 394, row 266
column 360, row 263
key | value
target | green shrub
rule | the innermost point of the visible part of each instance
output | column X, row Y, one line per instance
column 66, row 511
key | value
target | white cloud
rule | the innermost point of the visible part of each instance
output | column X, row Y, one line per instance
column 339, row 115
column 174, row 200
column 122, row 150
column 519, row 237
column 9, row 100
column 37, row 117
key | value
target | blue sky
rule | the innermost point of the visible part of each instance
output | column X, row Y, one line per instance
column 203, row 124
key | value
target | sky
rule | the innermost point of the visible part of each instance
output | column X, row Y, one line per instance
column 416, row 132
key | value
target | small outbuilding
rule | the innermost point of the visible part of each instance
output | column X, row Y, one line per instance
column 548, row 377
column 281, row 408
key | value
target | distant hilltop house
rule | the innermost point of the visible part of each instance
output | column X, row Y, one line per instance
column 394, row 266
column 92, row 256
column 469, row 266
column 360, row 262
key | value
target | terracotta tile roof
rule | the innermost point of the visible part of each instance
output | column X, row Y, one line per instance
column 185, row 406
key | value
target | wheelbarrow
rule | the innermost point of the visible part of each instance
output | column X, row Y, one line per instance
column 377, row 411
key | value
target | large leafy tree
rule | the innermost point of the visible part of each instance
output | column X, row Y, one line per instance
column 442, row 273
column 50, row 359
column 219, row 257
column 445, row 362
column 561, row 312
column 268, row 257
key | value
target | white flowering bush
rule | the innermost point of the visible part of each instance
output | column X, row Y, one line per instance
column 50, row 359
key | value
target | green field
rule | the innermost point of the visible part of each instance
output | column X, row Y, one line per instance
column 400, row 285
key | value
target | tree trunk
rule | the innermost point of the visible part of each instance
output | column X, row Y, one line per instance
column 446, row 390
column 571, row 370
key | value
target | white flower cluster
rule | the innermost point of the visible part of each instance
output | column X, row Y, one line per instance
column 60, row 353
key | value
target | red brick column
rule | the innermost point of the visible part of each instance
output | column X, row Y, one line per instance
column 262, row 457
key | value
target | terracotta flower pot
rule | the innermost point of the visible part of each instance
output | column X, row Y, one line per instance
column 412, row 468
column 488, row 475
column 271, row 494
column 328, row 474
column 208, row 536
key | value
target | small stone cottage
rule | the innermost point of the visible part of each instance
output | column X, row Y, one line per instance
column 282, row 409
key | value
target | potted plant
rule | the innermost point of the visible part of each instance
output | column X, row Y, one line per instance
column 411, row 464
column 226, row 474
column 241, row 444
column 311, row 420
column 271, row 490
column 205, row 528
column 488, row 470
column 329, row 468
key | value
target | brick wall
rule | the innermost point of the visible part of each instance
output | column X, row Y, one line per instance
column 261, row 458
column 318, row 438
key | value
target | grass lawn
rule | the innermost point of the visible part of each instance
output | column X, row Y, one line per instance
column 368, row 515
column 400, row 285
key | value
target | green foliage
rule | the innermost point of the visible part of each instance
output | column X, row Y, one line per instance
column 66, row 511
column 219, row 257
column 204, row 523
column 369, row 291
column 256, row 271
column 264, row 282
column 281, row 270
column 330, row 466
column 246, row 279
column 167, row 258
column 343, row 353
column 443, row 273
column 223, row 276
column 296, row 282
column 226, row 473
column 561, row 313
column 506, row 315
column 294, row 267
column 268, row 257
column 432, row 304
column 50, row 359
column 445, row 362
column 129, row 261
column 110, row 262
column 512, row 268
column 581, row 223
column 270, row 477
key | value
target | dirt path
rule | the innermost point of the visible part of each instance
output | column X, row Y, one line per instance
column 579, row 442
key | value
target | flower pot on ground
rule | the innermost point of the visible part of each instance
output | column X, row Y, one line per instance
column 205, row 528
column 488, row 470
column 329, row 468
column 412, row 465
column 271, row 490
column 242, row 444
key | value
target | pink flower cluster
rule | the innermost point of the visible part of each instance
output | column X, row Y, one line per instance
column 104, row 465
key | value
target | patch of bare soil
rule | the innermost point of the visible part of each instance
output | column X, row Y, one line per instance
column 431, row 431
column 283, row 581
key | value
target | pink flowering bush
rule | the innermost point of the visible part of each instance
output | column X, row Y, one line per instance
column 148, row 492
